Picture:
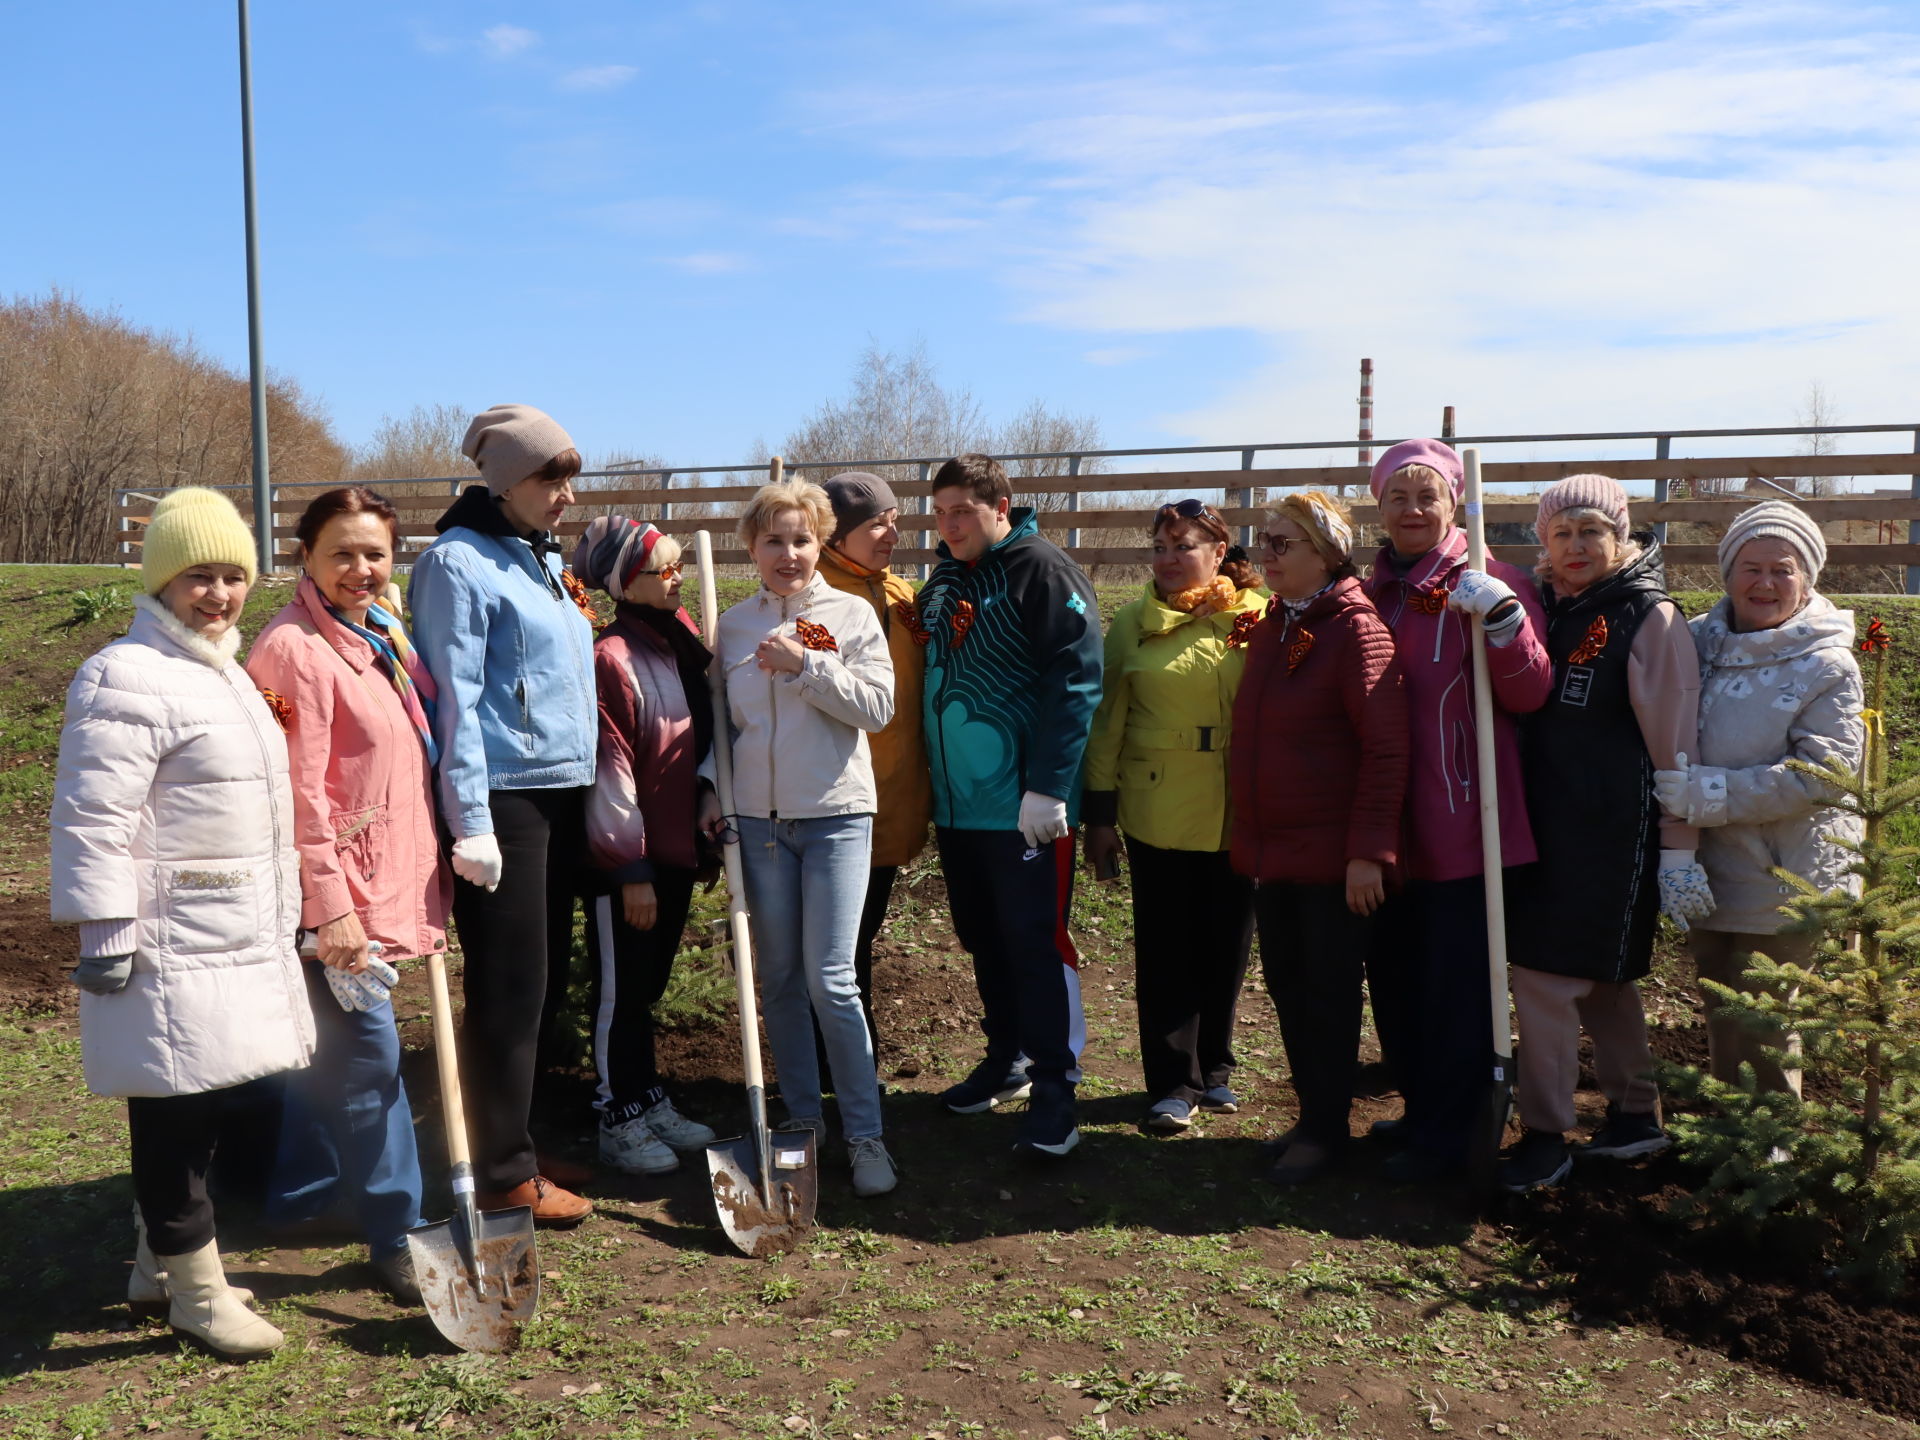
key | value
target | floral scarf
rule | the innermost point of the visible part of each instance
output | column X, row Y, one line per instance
column 404, row 669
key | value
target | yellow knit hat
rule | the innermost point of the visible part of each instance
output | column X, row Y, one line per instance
column 194, row 526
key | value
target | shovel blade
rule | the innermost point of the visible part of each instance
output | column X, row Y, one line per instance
column 1489, row 1132
column 753, row 1227
column 479, row 1295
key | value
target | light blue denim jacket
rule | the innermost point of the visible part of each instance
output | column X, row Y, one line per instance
column 513, row 658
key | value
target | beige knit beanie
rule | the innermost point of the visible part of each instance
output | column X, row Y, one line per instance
column 1776, row 520
column 194, row 526
column 510, row 442
column 1586, row 491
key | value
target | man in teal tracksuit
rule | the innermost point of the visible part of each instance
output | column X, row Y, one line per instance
column 1013, row 678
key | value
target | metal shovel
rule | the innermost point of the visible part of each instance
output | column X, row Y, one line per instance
column 479, row 1276
column 764, row 1190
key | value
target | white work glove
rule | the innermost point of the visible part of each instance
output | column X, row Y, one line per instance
column 476, row 860
column 104, row 974
column 1499, row 609
column 1684, row 895
column 1043, row 819
column 370, row 989
column 1671, row 788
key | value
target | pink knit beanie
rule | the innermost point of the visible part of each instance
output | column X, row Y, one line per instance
column 1435, row 454
column 1583, row 492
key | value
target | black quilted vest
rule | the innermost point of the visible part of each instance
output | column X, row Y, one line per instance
column 1589, row 908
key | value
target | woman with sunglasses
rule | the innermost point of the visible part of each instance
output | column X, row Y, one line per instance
column 1156, row 772
column 1320, row 771
column 643, row 814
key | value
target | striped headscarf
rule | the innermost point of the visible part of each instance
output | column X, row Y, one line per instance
column 613, row 552
column 405, row 670
column 1324, row 519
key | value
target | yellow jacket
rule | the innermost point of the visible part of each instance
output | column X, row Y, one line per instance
column 1165, row 719
column 899, row 751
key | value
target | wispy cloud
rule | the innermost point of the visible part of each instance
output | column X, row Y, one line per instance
column 507, row 40
column 709, row 262
column 597, row 77
column 1116, row 355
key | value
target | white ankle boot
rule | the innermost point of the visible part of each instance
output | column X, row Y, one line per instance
column 205, row 1307
column 147, row 1293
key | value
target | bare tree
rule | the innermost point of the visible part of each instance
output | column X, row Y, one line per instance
column 90, row 404
column 1818, row 409
column 422, row 444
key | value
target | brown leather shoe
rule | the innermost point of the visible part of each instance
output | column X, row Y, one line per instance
column 552, row 1207
column 563, row 1172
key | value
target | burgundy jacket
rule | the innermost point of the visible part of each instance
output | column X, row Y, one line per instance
column 1319, row 754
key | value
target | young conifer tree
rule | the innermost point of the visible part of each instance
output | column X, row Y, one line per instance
column 1852, row 1161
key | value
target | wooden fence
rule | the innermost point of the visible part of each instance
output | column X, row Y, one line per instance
column 1244, row 490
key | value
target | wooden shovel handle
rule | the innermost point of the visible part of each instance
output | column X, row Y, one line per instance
column 448, row 1061
column 1488, row 757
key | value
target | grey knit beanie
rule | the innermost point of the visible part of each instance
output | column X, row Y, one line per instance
column 1776, row 520
column 856, row 496
column 510, row 442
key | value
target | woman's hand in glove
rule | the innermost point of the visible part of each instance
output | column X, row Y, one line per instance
column 1043, row 819
column 1499, row 609
column 476, row 860
column 1684, row 893
column 104, row 974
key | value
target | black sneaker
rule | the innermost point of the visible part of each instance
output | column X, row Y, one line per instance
column 1049, row 1129
column 993, row 1082
column 1626, row 1136
column 1542, row 1158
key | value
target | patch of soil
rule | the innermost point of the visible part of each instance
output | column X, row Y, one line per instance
column 1635, row 1262
column 35, row 954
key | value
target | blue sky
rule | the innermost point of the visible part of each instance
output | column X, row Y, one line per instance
column 676, row 225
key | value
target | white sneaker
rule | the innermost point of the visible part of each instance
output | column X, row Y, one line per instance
column 633, row 1148
column 872, row 1166
column 676, row 1129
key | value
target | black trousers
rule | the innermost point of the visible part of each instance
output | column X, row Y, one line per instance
column 873, row 914
column 1010, row 906
column 1313, row 951
column 1432, row 1005
column 173, row 1138
column 632, row 968
column 512, row 941
column 1192, row 936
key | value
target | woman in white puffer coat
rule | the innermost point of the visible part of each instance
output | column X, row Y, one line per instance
column 173, row 849
column 1778, row 683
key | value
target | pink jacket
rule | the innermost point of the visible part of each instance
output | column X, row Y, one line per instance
column 362, row 789
column 1436, row 657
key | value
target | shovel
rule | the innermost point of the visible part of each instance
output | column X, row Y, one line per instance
column 478, row 1274
column 1496, row 1104
column 764, row 1190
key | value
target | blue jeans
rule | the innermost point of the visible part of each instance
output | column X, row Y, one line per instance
column 346, row 1133
column 806, row 886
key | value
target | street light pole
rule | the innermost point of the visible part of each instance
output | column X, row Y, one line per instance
column 256, row 369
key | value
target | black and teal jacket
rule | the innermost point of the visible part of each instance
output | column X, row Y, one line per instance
column 1013, row 678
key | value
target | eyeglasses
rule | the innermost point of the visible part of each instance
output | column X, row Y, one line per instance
column 1188, row 509
column 1279, row 544
column 670, row 572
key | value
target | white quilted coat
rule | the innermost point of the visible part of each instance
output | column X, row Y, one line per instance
column 173, row 806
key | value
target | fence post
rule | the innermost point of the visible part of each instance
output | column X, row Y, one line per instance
column 1662, row 488
column 666, row 506
column 921, row 504
column 1913, row 526
column 123, row 526
column 1073, row 502
column 1245, row 492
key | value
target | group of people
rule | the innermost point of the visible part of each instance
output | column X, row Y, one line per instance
column 1289, row 748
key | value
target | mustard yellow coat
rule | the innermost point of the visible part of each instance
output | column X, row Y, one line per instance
column 1165, row 720
column 899, row 751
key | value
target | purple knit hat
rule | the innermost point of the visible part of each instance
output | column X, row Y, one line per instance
column 1583, row 492
column 1433, row 453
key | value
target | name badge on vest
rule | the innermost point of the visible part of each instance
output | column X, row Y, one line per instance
column 1577, row 686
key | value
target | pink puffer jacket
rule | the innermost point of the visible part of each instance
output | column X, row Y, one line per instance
column 362, row 789
column 1443, row 802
